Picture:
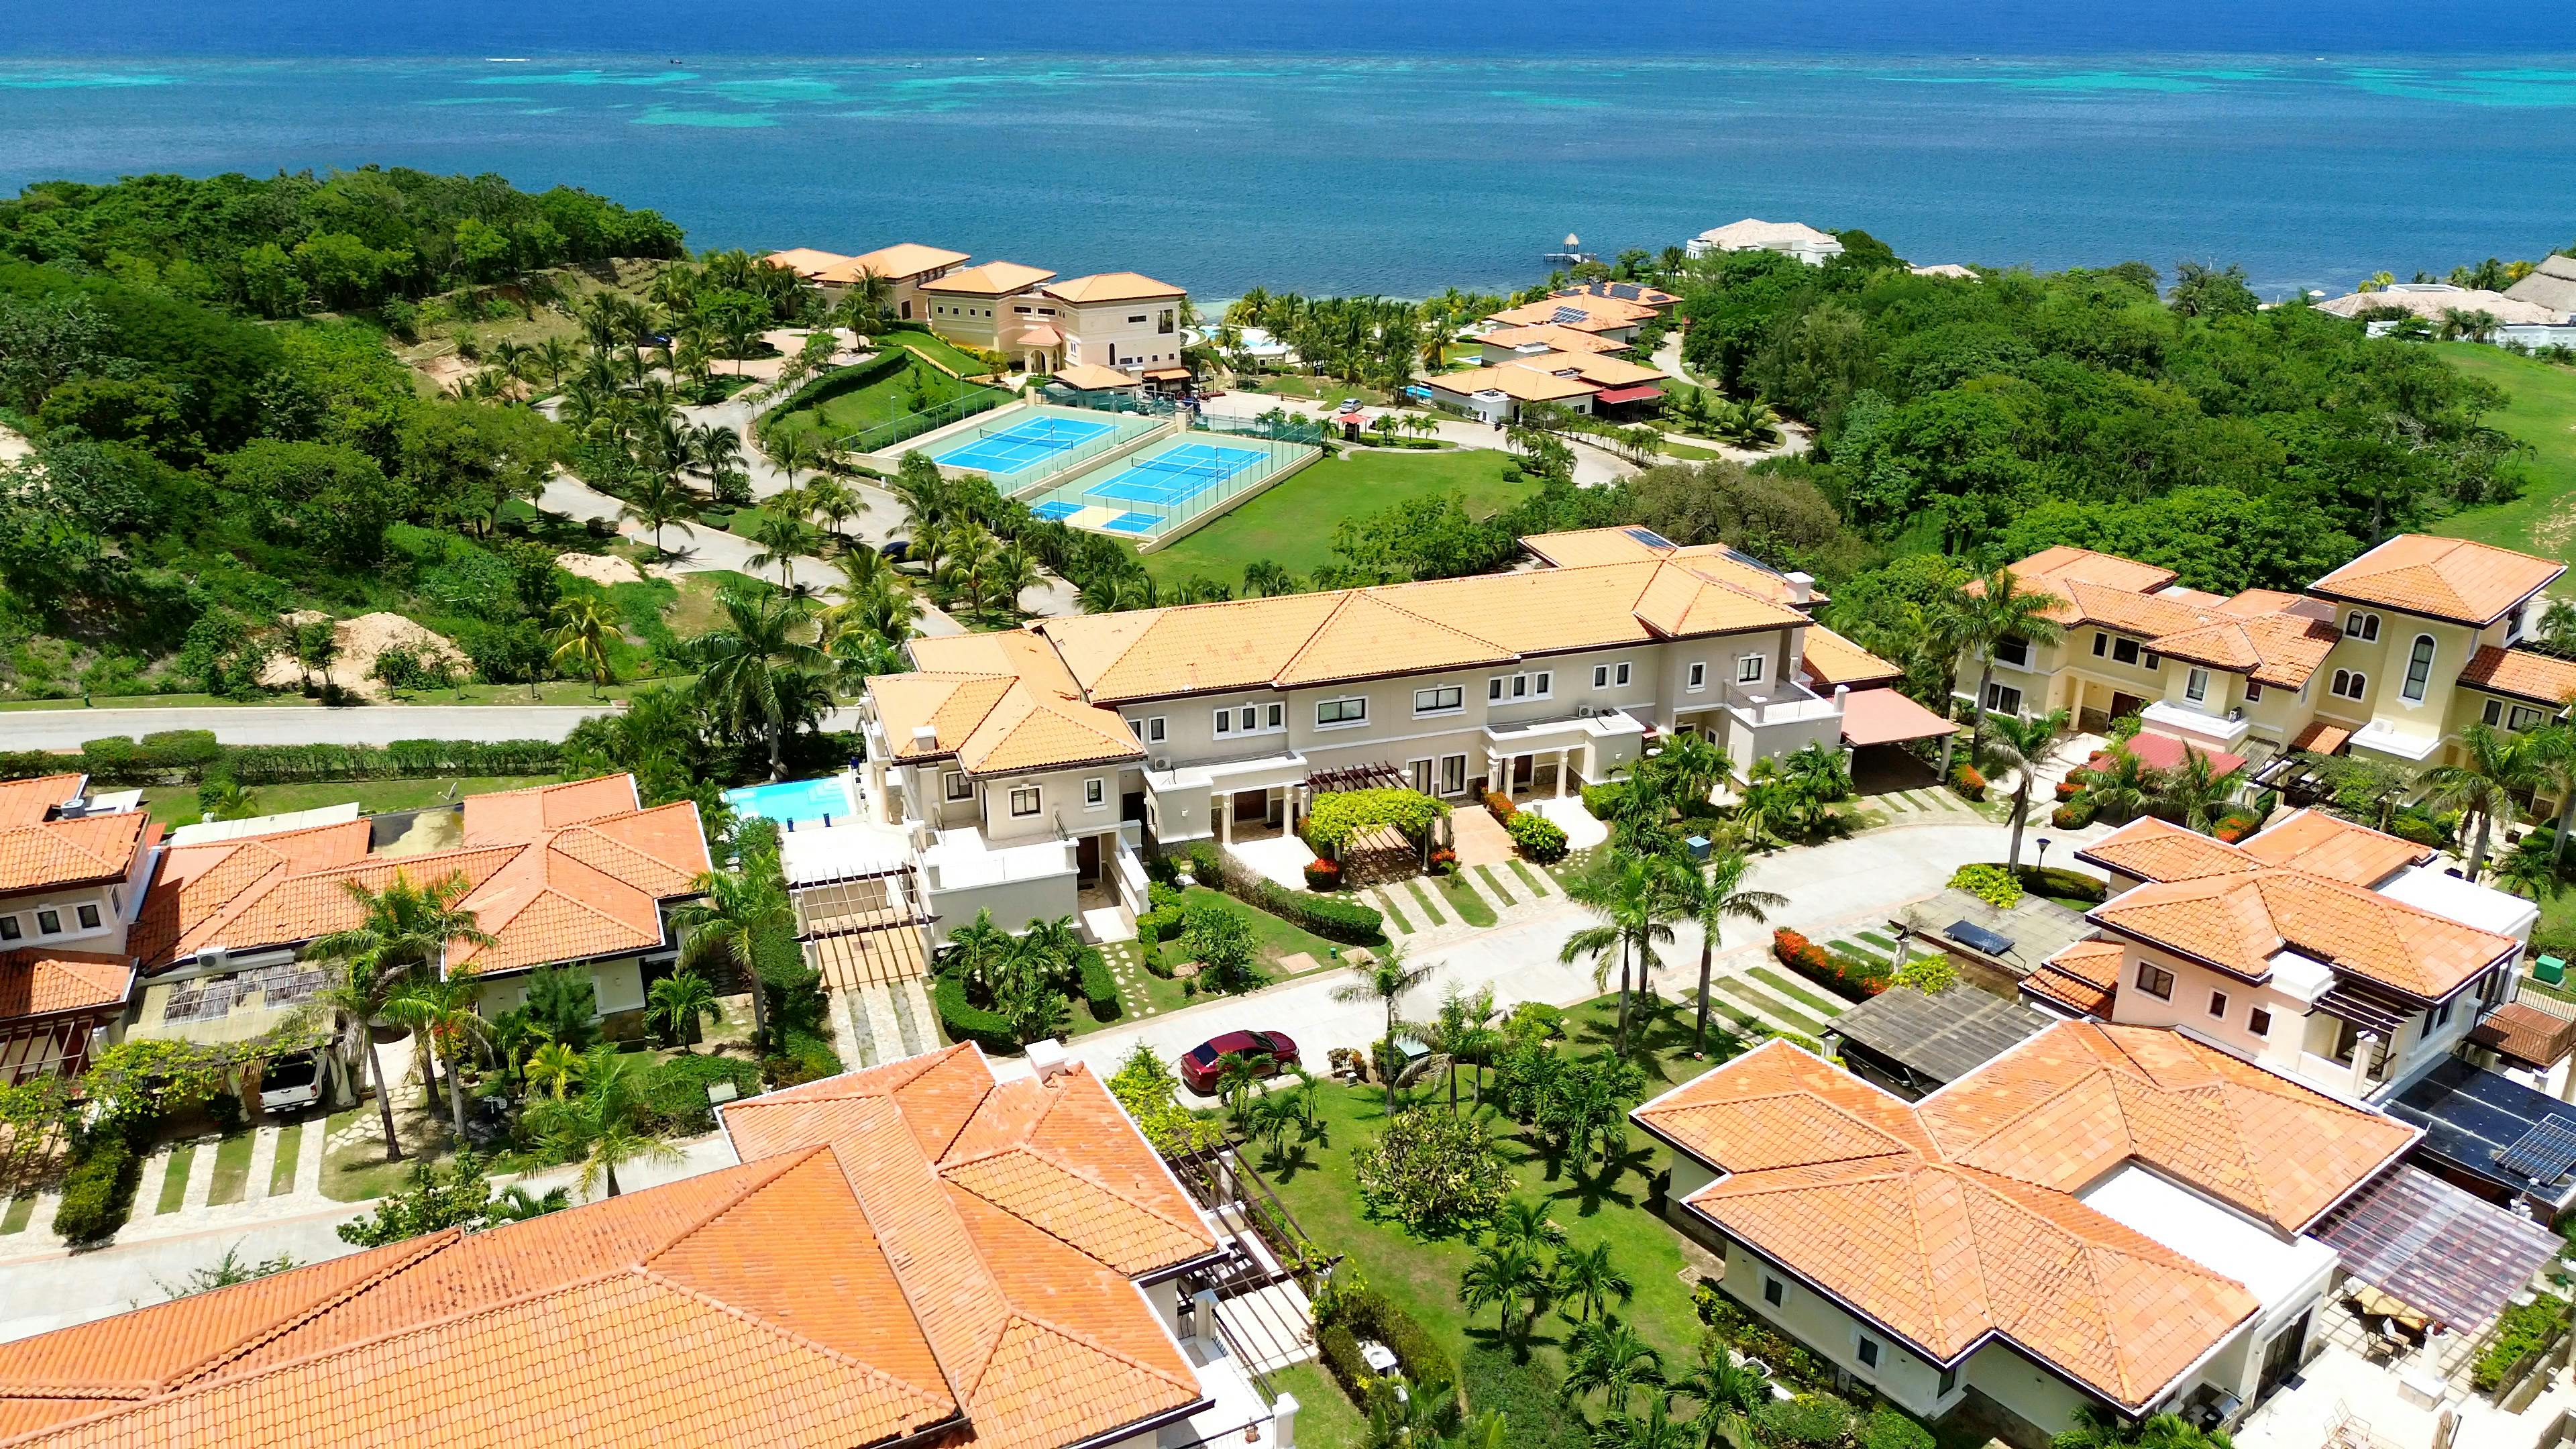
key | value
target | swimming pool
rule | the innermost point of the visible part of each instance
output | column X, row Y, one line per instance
column 1023, row 445
column 796, row 802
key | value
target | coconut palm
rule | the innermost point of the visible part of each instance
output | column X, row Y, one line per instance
column 1718, row 895
column 1236, row 1077
column 1636, row 898
column 2026, row 747
column 2493, row 767
column 1012, row 571
column 1982, row 614
column 757, row 672
column 1694, row 764
column 599, row 1128
column 656, row 501
column 2120, row 787
column 557, row 357
column 791, row 453
column 1587, row 1280
column 783, row 537
column 227, row 800
column 1265, row 579
column 2194, row 794
column 1727, row 1393
column 679, row 1002
column 1387, row 980
column 734, row 912
column 441, row 1016
column 583, row 627
column 554, row 1067
column 836, row 502
column 1607, row 1355
column 712, row 449
column 1526, row 1224
column 402, row 929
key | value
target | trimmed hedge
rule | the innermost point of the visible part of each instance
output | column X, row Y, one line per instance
column 1847, row 976
column 1331, row 917
column 1602, row 800
column 1323, row 875
column 964, row 1021
column 178, row 757
column 1368, row 1314
column 98, row 1193
column 1500, row 806
column 1099, row 987
column 1539, row 838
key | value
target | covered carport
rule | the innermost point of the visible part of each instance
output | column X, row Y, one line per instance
column 1877, row 725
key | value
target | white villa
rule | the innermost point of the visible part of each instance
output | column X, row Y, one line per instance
column 1790, row 238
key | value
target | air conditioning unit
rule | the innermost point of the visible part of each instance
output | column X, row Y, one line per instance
column 1163, row 762
column 213, row 958
column 1583, row 711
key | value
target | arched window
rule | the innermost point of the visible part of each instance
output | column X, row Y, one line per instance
column 2419, row 669
column 2357, row 625
column 2350, row 684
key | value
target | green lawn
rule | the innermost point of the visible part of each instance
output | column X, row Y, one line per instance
column 232, row 1168
column 1463, row 901
column 2542, row 412
column 1689, row 451
column 937, row 348
column 1292, row 524
column 882, row 401
column 177, row 804
column 1609, row 1206
column 1322, row 389
column 174, row 1182
column 290, row 1145
column 1272, row 937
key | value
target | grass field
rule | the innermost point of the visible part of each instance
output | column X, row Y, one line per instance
column 938, row 349
column 886, row 399
column 2542, row 413
column 177, row 804
column 1292, row 525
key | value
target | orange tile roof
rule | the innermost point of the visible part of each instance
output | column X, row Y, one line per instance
column 1516, row 380
column 1954, row 1220
column 2275, row 638
column 2066, row 564
column 1009, row 706
column 806, row 262
column 2152, row 849
column 899, row 262
column 38, row 982
column 1548, row 334
column 27, row 802
column 1831, row 659
column 1369, row 635
column 2239, row 922
column 2324, row 737
column 1112, row 287
column 555, row 872
column 1580, row 547
column 1590, row 366
column 2084, row 977
column 992, row 279
column 906, row 1249
column 2321, row 844
column 2442, row 578
column 2522, row 674
column 1600, row 314
column 40, row 854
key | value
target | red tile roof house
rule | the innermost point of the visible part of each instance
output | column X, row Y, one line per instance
column 575, row 875
column 918, row 1254
column 72, row 872
column 2121, row 1218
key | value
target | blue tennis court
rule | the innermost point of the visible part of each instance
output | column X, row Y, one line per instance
column 1023, row 445
column 1175, row 475
column 1131, row 523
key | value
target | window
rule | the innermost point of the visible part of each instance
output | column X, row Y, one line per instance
column 1868, row 1352
column 10, row 930
column 2494, row 713
column 2253, row 692
column 1453, row 775
column 2349, row 684
column 1164, row 321
column 2195, row 686
column 2101, row 643
column 1243, row 719
column 1275, row 717
column 958, row 787
column 2002, row 699
column 1139, row 317
column 2014, row 650
column 2438, row 1018
column 2125, row 651
column 1493, row 689
column 1445, row 700
column 1024, row 800
column 1225, row 721
column 1622, row 675
column 1332, row 712
column 1750, row 668
column 2218, row 1004
column 1520, row 686
column 1698, row 678
column 1095, row 793
column 2361, row 626
column 2259, row 1021
column 49, row 923
column 2419, row 670
column 1545, row 684
column 2513, row 623
column 1774, row 1292
column 1600, row 676
column 2524, row 717
column 2155, row 981
column 1949, row 1381
column 1154, row 729
column 89, row 922
column 2153, row 661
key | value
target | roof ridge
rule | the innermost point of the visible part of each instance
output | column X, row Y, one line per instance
column 1065, row 1167
column 431, row 1244
column 787, row 1162
column 1017, row 1314
column 660, row 1280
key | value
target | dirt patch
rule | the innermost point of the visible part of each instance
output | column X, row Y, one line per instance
column 14, row 446
column 356, row 645
column 599, row 568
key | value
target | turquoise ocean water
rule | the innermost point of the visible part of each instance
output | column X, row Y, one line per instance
column 1363, row 156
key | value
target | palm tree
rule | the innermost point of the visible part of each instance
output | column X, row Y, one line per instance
column 2025, row 746
column 1727, row 1393
column 228, row 800
column 757, row 673
column 2552, row 748
column 1500, row 1277
column 657, row 501
column 441, row 1016
column 1717, row 896
column 1523, row 1223
column 791, row 452
column 554, row 1066
column 1236, row 1076
column 679, row 1002
column 2493, row 767
column 1387, row 980
column 836, row 501
column 1607, row 1355
column 557, row 357
column 401, row 929
column 734, row 912
column 713, row 449
column 1981, row 615
column 1695, row 765
column 2193, row 793
column 1587, row 1279
column 783, row 538
column 2122, row 787
column 599, row 1127
column 1637, row 898
column 583, row 627
column 1011, row 572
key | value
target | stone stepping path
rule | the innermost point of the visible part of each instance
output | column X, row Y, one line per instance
column 1766, row 1007
column 1930, row 803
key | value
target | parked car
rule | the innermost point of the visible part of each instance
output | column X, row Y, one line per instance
column 896, row 549
column 290, row 1081
column 1272, row 1052
column 1350, row 405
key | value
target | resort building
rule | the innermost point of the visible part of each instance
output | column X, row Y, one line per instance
column 974, row 306
column 2389, row 657
column 1025, row 765
column 2550, row 286
column 2126, row 1219
column 1513, row 344
column 919, row 1254
column 576, row 875
column 1582, row 380
column 1789, row 238
column 905, row 265
column 73, row 866
column 1662, row 302
column 1613, row 318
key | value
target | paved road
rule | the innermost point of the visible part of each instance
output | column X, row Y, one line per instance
column 252, row 724
column 1860, row 880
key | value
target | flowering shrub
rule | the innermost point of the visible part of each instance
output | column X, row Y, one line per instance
column 1989, row 883
column 1539, row 838
column 1848, row 976
column 2066, row 789
column 1444, row 861
column 1930, row 972
column 2073, row 815
column 1432, row 1172
column 1323, row 875
column 1500, row 806
column 1967, row 781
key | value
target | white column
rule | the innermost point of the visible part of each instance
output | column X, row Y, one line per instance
column 1284, row 1421
column 1224, row 807
column 1564, row 757
column 2361, row 1063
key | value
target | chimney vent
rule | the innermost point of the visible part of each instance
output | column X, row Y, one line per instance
column 925, row 737
column 1802, row 587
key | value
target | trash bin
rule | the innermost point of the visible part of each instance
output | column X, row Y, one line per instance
column 1698, row 847
column 2550, row 969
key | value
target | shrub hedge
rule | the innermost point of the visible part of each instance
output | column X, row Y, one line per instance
column 965, row 1021
column 1847, row 976
column 177, row 757
column 98, row 1192
column 1601, row 800
column 1331, row 917
column 1539, row 838
column 1500, row 806
column 1989, row 883
column 1367, row 1314
column 676, row 1091
column 1099, row 987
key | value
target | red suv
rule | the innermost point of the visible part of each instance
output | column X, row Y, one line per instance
column 1271, row 1052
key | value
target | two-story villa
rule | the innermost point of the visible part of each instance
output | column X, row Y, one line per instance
column 1083, row 736
column 73, row 867
column 2390, row 656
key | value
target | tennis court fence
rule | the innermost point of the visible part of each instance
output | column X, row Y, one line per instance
column 1225, row 475
column 1282, row 427
column 1071, row 459
column 930, row 419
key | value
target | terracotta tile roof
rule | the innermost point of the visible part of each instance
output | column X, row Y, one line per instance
column 1369, row 635
column 2150, row 849
column 806, row 262
column 2255, row 603
column 1581, row 547
column 992, row 279
column 897, row 262
column 1013, row 708
column 2240, row 922
column 1112, row 287
column 39, row 854
column 2083, row 977
column 1589, row 366
column 39, row 982
column 2275, row 638
column 2442, row 578
column 2065, row 564
column 1548, row 334
column 1597, row 314
column 2522, row 674
column 29, row 801
column 2321, row 844
column 1516, row 380
column 1831, row 659
column 550, row 875
column 2325, row 737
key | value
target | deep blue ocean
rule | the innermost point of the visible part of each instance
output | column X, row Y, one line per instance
column 1334, row 146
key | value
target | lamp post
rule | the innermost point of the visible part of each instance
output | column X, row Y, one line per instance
column 2043, row 855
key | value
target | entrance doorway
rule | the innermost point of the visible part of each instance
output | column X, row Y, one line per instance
column 1524, row 769
column 2282, row 1355
column 2123, row 705
column 1086, row 860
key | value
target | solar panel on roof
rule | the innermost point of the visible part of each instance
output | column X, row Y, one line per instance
column 2543, row 1154
column 1625, row 291
column 1567, row 315
column 1970, row 934
column 1749, row 561
column 1648, row 537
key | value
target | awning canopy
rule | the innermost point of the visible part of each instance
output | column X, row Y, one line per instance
column 2166, row 752
column 1091, row 377
column 2321, row 738
column 2456, row 1257
column 1639, row 393
column 1040, row 335
column 2525, row 1034
column 1885, row 717
column 1167, row 374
